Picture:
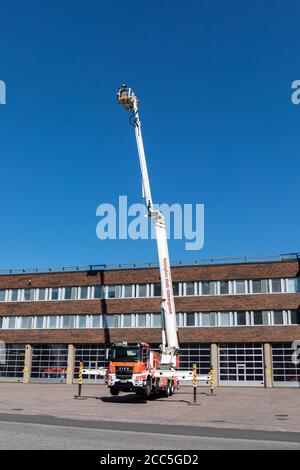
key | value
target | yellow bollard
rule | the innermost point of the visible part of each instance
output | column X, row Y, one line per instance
column 195, row 382
column 211, row 380
column 80, row 379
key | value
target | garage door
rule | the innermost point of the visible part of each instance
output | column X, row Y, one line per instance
column 49, row 362
column 93, row 357
column 241, row 365
column 195, row 353
column 12, row 363
column 286, row 371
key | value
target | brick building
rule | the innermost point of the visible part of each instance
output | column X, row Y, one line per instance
column 242, row 316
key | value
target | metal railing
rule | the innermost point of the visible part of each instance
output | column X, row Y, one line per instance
column 154, row 264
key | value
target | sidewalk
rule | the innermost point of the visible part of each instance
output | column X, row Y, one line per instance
column 260, row 409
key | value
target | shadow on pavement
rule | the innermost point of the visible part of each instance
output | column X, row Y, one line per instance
column 124, row 399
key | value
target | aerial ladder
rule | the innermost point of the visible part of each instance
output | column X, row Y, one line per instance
column 170, row 345
column 135, row 367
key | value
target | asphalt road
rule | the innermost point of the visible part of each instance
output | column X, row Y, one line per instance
column 46, row 432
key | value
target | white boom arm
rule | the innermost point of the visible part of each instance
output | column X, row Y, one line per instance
column 170, row 346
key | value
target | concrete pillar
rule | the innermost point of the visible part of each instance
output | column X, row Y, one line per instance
column 27, row 364
column 71, row 363
column 268, row 365
column 215, row 362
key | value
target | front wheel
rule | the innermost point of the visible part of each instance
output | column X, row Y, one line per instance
column 168, row 392
column 147, row 390
column 114, row 391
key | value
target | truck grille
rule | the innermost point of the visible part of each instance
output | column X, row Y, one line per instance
column 124, row 372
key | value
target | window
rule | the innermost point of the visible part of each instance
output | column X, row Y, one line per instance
column 142, row 320
column 240, row 287
column 278, row 318
column 127, row 289
column 156, row 320
column 41, row 294
column 2, row 295
column 189, row 288
column 260, row 286
column 208, row 319
column 26, row 322
column 241, row 318
column 261, row 318
column 276, row 285
column 224, row 319
column 224, row 287
column 97, row 292
column 1, row 323
column 113, row 292
column 28, row 294
column 127, row 320
column 82, row 321
column 11, row 323
column 14, row 295
column 142, row 290
column 52, row 322
column 110, row 321
column 54, row 293
column 176, row 288
column 190, row 319
column 295, row 317
column 68, row 321
column 96, row 321
column 157, row 290
column 213, row 288
column 70, row 293
column 293, row 285
column 179, row 319
column 39, row 322
column 83, row 293
column 209, row 288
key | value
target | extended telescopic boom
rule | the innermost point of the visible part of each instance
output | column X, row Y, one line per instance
column 170, row 346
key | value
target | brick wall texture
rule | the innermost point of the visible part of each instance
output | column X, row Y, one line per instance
column 265, row 270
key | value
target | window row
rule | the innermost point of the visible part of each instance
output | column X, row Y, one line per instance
column 130, row 320
column 197, row 288
column 239, row 318
column 153, row 320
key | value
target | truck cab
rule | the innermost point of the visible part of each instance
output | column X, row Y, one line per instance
column 130, row 368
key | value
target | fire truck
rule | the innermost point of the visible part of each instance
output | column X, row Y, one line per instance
column 136, row 367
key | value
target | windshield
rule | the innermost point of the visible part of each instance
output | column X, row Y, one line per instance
column 126, row 353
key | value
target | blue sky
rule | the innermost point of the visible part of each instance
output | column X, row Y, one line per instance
column 219, row 127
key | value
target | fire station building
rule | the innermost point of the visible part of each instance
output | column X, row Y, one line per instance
column 241, row 316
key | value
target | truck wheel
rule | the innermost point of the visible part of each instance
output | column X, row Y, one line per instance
column 168, row 391
column 147, row 390
column 114, row 391
column 172, row 389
